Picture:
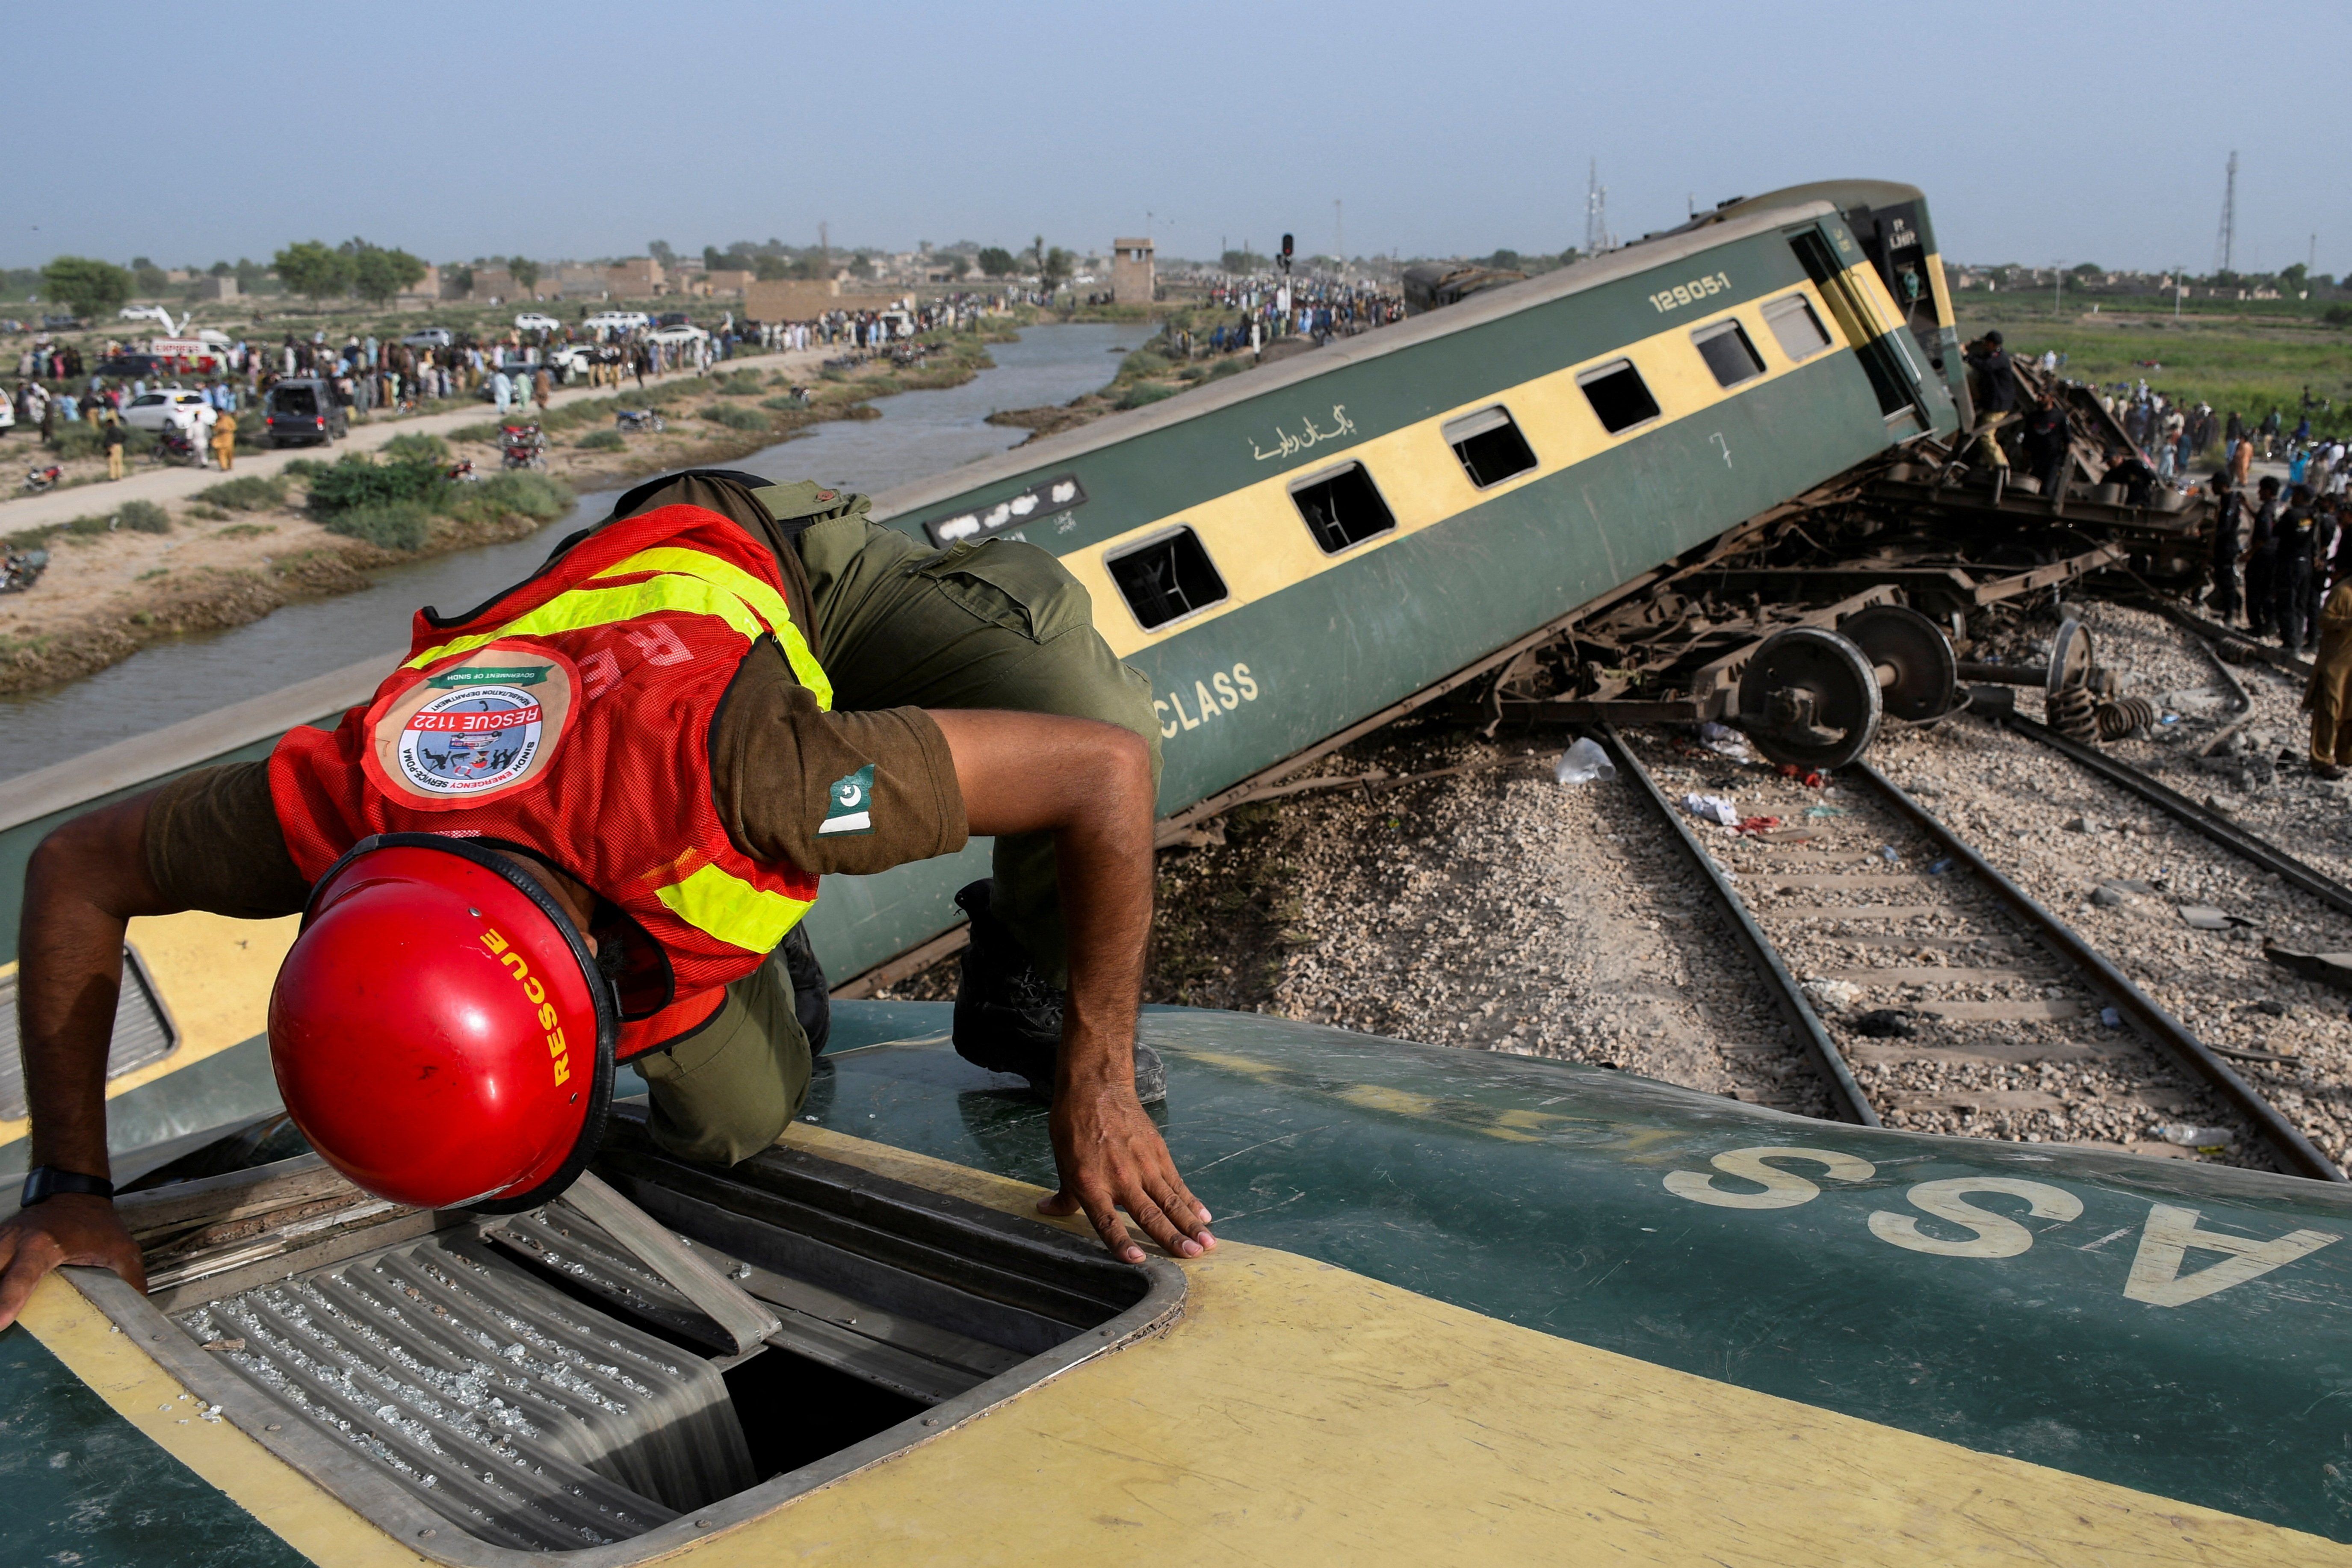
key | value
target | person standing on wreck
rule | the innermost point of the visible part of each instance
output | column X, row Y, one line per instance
column 580, row 825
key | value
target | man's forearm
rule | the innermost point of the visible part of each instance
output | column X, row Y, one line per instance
column 80, row 893
column 1103, row 864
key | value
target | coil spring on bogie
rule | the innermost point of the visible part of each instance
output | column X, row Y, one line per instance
column 2072, row 713
column 2128, row 716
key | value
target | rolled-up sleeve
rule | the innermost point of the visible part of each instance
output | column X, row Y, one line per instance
column 830, row 793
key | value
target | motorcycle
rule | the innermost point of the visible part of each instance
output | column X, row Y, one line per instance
column 522, row 447
column 20, row 572
column 39, row 479
column 462, row 471
column 174, row 444
column 638, row 419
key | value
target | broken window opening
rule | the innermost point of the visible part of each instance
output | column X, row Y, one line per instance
column 1167, row 578
column 1342, row 508
column 1619, row 395
column 1490, row 445
column 1729, row 353
column 1795, row 327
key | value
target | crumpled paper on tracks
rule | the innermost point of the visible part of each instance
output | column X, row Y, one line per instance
column 1712, row 808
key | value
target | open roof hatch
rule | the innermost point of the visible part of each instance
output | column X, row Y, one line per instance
column 630, row 1368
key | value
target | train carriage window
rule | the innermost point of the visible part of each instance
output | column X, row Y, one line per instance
column 1490, row 445
column 1619, row 395
column 1794, row 326
column 1342, row 508
column 1727, row 352
column 1167, row 578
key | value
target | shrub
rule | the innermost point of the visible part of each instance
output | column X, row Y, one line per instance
column 1142, row 361
column 782, row 405
column 203, row 513
column 302, row 469
column 1225, row 367
column 417, row 448
column 359, row 481
column 734, row 418
column 388, row 524
column 79, row 439
column 1145, row 392
column 515, row 490
column 143, row 517
column 742, row 384
column 474, row 433
column 1194, row 373
column 248, row 492
column 601, row 441
column 246, row 531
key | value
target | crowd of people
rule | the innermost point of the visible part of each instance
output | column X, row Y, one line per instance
column 1317, row 308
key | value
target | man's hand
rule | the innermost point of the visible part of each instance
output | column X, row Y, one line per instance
column 72, row 1227
column 1111, row 1157
column 1089, row 785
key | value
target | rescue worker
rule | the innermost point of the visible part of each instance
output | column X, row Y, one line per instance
column 2291, row 583
column 2328, row 696
column 2228, row 508
column 2261, row 557
column 2049, row 443
column 1997, row 382
column 578, row 825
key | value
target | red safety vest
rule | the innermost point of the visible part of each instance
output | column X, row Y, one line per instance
column 571, row 716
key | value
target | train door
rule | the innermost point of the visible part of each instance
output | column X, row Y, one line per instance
column 1887, row 353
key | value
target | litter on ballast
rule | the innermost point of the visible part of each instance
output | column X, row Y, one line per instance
column 1713, row 808
column 1584, row 762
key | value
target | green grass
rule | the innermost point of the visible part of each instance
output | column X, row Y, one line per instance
column 2247, row 360
column 246, row 531
column 143, row 517
column 387, row 524
column 248, row 492
column 733, row 417
column 417, row 448
column 1145, row 392
column 601, row 441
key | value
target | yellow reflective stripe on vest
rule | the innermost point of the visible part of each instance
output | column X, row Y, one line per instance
column 765, row 600
column 732, row 909
column 577, row 609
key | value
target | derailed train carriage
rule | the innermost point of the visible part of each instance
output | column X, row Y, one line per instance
column 1468, row 1307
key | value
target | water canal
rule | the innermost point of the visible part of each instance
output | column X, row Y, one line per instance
column 920, row 434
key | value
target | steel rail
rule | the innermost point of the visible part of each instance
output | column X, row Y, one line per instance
column 1852, row 1105
column 2213, row 825
column 2298, row 1153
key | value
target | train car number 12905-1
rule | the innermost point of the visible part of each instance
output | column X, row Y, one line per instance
column 1692, row 292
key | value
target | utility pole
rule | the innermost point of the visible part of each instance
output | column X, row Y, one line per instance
column 1596, row 211
column 824, row 249
column 2225, row 247
column 1338, row 235
column 2058, row 283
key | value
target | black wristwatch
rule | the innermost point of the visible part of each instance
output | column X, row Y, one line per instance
column 43, row 1181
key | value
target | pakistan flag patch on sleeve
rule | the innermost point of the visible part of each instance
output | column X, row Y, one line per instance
column 850, row 805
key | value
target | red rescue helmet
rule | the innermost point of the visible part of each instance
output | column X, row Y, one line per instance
column 440, row 1031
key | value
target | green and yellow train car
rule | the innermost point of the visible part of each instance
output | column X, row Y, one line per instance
column 1466, row 1309
column 1287, row 552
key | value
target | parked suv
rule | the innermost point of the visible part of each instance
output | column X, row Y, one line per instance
column 537, row 322
column 303, row 412
column 166, row 406
column 430, row 338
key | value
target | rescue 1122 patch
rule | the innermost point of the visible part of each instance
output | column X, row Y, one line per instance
column 849, row 804
column 477, row 727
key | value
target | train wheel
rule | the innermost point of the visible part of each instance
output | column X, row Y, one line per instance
column 1809, row 699
column 2070, row 656
column 1917, row 675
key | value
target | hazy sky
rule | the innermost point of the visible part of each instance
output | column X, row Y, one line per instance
column 2046, row 132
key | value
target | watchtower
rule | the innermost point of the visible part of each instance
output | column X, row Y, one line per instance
column 1131, row 271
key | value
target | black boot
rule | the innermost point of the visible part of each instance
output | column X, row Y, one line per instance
column 1008, row 1019
column 812, row 1003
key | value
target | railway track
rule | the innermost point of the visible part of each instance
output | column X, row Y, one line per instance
column 1983, row 1002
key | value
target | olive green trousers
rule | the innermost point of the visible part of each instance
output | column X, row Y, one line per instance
column 997, row 624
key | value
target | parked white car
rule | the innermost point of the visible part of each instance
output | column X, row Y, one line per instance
column 168, row 406
column 430, row 338
column 537, row 322
column 617, row 322
column 687, row 335
column 569, row 360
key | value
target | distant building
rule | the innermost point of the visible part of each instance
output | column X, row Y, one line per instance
column 574, row 281
column 639, row 278
column 223, row 287
column 725, row 283
column 1131, row 278
column 426, row 290
column 806, row 299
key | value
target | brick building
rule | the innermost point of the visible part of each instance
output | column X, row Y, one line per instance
column 1131, row 278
